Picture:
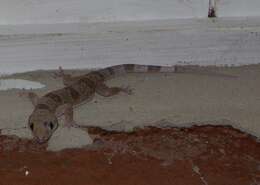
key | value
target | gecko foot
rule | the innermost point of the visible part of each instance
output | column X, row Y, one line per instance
column 59, row 74
column 128, row 90
column 72, row 124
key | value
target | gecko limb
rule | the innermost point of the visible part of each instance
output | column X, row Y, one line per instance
column 104, row 90
column 66, row 78
column 69, row 118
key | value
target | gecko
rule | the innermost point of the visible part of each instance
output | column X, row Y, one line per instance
column 43, row 121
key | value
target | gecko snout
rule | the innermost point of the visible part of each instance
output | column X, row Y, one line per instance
column 41, row 140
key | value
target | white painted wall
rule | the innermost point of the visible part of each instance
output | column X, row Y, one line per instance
column 203, row 42
column 60, row 11
column 46, row 44
column 238, row 8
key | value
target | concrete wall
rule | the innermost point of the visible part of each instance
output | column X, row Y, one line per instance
column 60, row 11
column 46, row 44
column 202, row 42
column 238, row 8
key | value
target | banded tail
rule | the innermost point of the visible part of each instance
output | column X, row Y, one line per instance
column 117, row 70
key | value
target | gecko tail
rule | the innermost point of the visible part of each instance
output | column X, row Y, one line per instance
column 117, row 70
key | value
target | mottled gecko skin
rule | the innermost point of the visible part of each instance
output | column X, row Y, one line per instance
column 43, row 120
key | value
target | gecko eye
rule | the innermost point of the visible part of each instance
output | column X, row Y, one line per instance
column 51, row 125
column 31, row 126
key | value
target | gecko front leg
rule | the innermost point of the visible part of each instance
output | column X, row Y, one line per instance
column 69, row 116
column 103, row 90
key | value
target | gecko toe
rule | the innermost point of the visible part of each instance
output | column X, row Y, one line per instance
column 128, row 90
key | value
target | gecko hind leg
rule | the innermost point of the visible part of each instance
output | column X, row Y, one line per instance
column 68, row 114
column 66, row 78
column 69, row 118
column 104, row 90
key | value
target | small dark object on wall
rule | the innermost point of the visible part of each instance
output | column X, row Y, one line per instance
column 212, row 12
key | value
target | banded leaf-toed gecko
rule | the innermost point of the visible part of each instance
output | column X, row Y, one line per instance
column 43, row 120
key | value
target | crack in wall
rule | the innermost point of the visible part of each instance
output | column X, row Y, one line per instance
column 196, row 169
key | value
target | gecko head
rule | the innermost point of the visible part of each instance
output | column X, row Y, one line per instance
column 42, row 124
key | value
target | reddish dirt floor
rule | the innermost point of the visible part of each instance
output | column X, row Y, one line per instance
column 198, row 155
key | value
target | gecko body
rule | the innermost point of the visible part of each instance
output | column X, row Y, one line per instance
column 43, row 120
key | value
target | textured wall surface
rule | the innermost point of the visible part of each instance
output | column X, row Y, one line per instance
column 59, row 11
column 204, row 42
column 46, row 43
column 238, row 8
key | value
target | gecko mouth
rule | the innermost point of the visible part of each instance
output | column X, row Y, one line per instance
column 41, row 141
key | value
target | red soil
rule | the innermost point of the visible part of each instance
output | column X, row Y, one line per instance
column 200, row 155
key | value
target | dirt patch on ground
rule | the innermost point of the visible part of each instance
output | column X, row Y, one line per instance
column 208, row 155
